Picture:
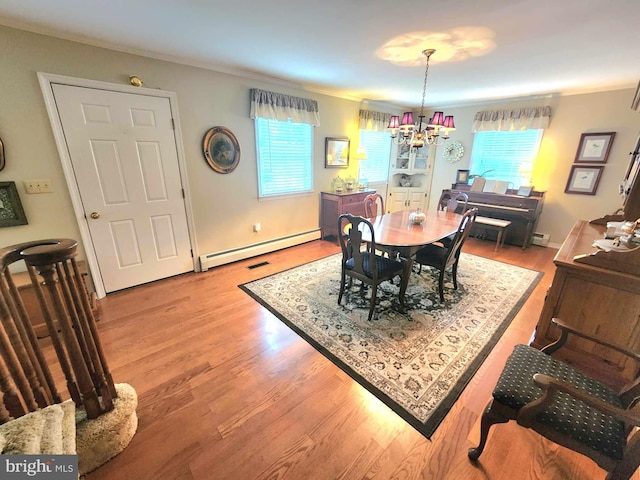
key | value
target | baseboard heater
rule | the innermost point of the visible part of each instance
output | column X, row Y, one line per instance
column 210, row 260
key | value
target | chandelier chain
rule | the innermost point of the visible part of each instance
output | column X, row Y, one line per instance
column 424, row 87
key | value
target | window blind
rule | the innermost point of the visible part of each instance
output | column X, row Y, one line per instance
column 501, row 155
column 285, row 153
column 377, row 146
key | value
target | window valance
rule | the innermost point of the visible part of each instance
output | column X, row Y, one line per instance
column 508, row 120
column 278, row 106
column 376, row 121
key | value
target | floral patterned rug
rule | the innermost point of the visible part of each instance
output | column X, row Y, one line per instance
column 417, row 363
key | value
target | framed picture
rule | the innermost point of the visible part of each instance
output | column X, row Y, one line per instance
column 11, row 211
column 462, row 176
column 221, row 149
column 594, row 147
column 583, row 180
column 336, row 152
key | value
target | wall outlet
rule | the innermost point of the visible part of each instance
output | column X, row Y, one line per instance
column 38, row 186
column 257, row 227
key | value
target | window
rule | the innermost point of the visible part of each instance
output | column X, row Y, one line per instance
column 505, row 155
column 285, row 157
column 377, row 146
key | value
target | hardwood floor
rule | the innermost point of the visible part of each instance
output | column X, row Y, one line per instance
column 226, row 391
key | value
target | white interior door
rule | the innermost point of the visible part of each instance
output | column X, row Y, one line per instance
column 123, row 152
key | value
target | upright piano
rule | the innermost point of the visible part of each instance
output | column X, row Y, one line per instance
column 523, row 212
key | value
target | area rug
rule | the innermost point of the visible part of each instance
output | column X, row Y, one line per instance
column 417, row 363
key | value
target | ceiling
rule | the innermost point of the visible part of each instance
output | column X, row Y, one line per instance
column 486, row 50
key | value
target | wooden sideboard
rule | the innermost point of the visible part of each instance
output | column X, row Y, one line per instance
column 598, row 293
column 332, row 205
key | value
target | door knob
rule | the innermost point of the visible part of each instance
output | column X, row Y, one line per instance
column 95, row 215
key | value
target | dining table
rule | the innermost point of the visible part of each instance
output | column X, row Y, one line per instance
column 395, row 231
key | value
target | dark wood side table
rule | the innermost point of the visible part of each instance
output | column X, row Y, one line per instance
column 332, row 205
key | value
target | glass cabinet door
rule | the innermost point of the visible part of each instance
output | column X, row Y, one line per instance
column 403, row 158
column 420, row 158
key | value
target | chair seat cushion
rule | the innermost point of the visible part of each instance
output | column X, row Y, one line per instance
column 433, row 254
column 570, row 416
column 448, row 240
column 385, row 266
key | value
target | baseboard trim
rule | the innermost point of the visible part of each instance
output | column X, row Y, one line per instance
column 216, row 259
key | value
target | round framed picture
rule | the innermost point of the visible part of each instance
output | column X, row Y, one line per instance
column 221, row 149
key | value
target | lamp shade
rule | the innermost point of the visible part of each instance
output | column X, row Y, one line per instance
column 361, row 154
column 407, row 119
column 393, row 121
column 437, row 120
column 448, row 122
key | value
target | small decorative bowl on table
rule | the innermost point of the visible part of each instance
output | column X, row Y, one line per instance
column 417, row 217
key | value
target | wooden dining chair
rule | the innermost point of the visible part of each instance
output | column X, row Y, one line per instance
column 446, row 256
column 373, row 205
column 453, row 203
column 568, row 407
column 360, row 261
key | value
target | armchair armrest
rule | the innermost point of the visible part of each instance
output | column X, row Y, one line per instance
column 551, row 386
column 564, row 335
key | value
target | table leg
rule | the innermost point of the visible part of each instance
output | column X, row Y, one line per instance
column 404, row 283
column 407, row 256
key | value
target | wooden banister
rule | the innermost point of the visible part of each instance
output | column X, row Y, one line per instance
column 26, row 382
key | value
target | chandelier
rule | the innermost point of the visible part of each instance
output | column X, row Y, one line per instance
column 436, row 130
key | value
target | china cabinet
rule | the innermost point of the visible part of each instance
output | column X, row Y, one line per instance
column 409, row 178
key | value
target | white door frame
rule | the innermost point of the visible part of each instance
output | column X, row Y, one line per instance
column 46, row 79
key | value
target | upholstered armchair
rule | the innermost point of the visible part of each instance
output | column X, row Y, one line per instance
column 568, row 407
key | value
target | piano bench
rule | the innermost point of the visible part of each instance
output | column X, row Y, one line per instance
column 494, row 224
